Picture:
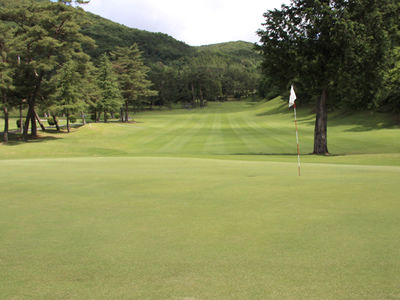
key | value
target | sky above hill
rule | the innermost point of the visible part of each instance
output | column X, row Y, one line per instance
column 196, row 23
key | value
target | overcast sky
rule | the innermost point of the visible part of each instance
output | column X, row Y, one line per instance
column 196, row 23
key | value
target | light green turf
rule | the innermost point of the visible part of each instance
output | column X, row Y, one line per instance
column 172, row 228
column 203, row 204
column 236, row 130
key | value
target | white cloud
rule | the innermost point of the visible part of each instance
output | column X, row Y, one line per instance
column 196, row 23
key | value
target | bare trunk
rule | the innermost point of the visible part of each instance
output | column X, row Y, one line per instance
column 5, row 110
column 126, row 111
column 21, row 127
column 201, row 98
column 56, row 122
column 194, row 96
column 83, row 119
column 40, row 122
column 321, row 124
column 31, row 111
column 68, row 129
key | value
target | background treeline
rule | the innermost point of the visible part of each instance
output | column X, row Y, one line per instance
column 179, row 72
column 57, row 59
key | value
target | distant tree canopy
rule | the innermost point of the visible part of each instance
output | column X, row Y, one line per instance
column 337, row 49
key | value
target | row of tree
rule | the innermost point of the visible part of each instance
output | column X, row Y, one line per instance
column 45, row 66
column 336, row 52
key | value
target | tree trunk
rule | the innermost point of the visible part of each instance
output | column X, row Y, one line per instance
column 83, row 118
column 31, row 111
column 105, row 116
column 321, row 124
column 68, row 129
column 201, row 98
column 21, row 127
column 194, row 96
column 5, row 110
column 56, row 122
column 40, row 122
column 126, row 111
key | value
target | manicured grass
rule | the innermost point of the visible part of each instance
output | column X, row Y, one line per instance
column 203, row 204
column 178, row 228
column 235, row 130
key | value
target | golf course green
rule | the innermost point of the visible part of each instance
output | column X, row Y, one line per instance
column 203, row 204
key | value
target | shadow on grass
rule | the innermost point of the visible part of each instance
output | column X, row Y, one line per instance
column 289, row 154
column 51, row 134
column 16, row 139
column 281, row 109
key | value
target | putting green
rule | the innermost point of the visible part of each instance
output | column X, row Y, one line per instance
column 188, row 228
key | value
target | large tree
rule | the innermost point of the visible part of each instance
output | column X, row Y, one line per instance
column 132, row 75
column 337, row 49
column 6, row 73
column 48, row 35
column 68, row 96
column 110, row 94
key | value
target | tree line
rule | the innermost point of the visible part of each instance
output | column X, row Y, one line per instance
column 55, row 59
column 336, row 53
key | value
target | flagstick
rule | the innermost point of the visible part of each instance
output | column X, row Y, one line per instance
column 297, row 138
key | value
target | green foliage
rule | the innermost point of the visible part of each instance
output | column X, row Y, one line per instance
column 132, row 75
column 155, row 47
column 111, row 99
column 72, row 118
column 337, row 49
column 339, row 46
column 18, row 122
column 50, row 121
column 46, row 35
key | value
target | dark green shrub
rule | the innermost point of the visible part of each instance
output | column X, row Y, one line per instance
column 51, row 121
column 19, row 123
column 72, row 118
column 93, row 117
column 116, row 115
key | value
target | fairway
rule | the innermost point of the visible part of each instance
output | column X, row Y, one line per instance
column 203, row 204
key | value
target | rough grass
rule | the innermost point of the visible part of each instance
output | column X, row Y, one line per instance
column 202, row 205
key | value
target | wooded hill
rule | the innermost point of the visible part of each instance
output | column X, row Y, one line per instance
column 59, row 59
column 222, row 70
column 155, row 47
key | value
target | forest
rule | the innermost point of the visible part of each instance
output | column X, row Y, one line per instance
column 58, row 59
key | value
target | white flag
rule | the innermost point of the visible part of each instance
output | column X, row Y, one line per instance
column 292, row 96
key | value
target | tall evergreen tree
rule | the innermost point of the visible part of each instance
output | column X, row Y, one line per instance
column 110, row 95
column 48, row 34
column 6, row 74
column 68, row 95
column 132, row 75
column 338, row 49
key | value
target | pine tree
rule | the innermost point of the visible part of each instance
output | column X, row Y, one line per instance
column 110, row 95
column 132, row 75
column 68, row 96
column 337, row 49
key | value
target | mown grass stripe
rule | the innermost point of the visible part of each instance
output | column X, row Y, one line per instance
column 186, row 140
column 215, row 139
column 250, row 137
